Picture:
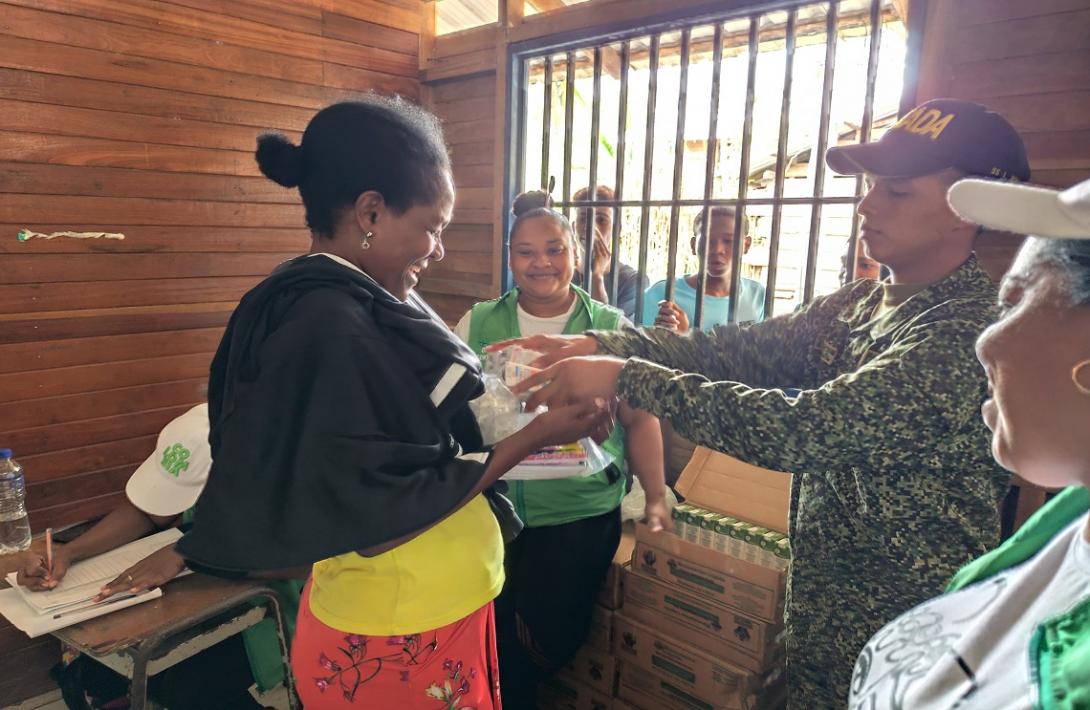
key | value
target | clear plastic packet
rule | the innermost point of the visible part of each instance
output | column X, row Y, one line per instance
column 500, row 412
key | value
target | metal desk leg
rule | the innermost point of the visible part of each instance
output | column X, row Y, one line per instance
column 138, row 688
column 272, row 601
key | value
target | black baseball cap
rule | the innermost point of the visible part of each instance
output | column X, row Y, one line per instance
column 934, row 136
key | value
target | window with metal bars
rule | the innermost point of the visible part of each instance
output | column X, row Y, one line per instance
column 734, row 111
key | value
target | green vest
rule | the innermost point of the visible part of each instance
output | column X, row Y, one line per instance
column 262, row 646
column 541, row 503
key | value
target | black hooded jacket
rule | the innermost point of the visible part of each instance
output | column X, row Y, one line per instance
column 324, row 435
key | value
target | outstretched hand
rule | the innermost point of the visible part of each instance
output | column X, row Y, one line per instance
column 574, row 380
column 553, row 348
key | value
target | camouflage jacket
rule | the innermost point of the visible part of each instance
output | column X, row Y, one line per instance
column 895, row 487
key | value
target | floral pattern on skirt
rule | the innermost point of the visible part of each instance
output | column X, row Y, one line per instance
column 450, row 668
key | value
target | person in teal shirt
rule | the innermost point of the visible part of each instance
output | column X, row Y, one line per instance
column 679, row 314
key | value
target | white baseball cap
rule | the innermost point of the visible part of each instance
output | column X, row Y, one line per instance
column 1025, row 209
column 172, row 478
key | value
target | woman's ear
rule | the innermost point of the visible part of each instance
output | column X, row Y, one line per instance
column 369, row 209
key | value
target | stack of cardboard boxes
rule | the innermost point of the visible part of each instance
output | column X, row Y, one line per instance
column 699, row 618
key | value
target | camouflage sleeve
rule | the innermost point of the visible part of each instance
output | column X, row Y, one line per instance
column 773, row 353
column 928, row 382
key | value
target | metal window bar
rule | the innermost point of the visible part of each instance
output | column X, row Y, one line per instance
column 709, row 173
column 618, row 183
column 781, row 162
column 868, row 117
column 592, row 191
column 648, row 161
column 546, row 124
column 743, row 169
column 679, row 164
column 816, row 201
column 569, row 119
column 822, row 144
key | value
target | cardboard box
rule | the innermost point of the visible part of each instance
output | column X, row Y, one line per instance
column 611, row 593
column 601, row 629
column 746, row 586
column 660, row 657
column 594, row 668
column 724, row 484
column 561, row 692
column 751, row 643
column 665, row 696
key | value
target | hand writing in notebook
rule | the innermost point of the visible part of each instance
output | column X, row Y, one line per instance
column 154, row 570
column 34, row 569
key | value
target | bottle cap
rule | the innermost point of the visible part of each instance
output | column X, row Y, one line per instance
column 5, row 453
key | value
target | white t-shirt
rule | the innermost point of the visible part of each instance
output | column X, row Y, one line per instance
column 971, row 648
column 531, row 324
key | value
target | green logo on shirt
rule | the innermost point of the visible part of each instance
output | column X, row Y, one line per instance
column 176, row 459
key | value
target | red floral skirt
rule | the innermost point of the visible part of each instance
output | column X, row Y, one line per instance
column 451, row 668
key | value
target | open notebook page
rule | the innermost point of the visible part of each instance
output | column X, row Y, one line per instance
column 85, row 578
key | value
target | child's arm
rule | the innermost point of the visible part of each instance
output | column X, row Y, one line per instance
column 643, row 450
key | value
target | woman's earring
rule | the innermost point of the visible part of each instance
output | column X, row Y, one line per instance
column 1075, row 377
column 366, row 242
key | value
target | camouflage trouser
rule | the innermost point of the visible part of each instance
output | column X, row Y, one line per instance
column 826, row 632
column 817, row 687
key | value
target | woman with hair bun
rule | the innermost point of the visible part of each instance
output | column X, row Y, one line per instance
column 338, row 405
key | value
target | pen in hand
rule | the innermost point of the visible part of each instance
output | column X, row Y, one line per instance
column 49, row 552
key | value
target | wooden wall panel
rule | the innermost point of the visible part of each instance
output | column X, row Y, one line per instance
column 140, row 117
column 1028, row 61
column 461, row 88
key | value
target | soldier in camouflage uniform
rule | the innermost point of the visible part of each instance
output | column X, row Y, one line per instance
column 894, row 487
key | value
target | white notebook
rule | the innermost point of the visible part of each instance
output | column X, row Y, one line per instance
column 84, row 579
column 33, row 624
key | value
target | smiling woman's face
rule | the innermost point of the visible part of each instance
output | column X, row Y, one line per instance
column 542, row 260
column 1039, row 419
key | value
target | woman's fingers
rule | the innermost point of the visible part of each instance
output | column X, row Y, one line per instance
column 126, row 581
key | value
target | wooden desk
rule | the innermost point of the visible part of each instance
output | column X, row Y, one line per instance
column 194, row 613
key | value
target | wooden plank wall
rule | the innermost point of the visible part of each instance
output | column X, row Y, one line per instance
column 1031, row 62
column 139, row 116
column 461, row 88
column 1028, row 60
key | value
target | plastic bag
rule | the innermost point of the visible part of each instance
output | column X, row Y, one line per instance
column 500, row 412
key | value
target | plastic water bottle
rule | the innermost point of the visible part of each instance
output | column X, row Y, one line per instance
column 14, row 523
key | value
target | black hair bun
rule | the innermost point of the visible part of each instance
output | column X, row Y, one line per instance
column 526, row 201
column 279, row 159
